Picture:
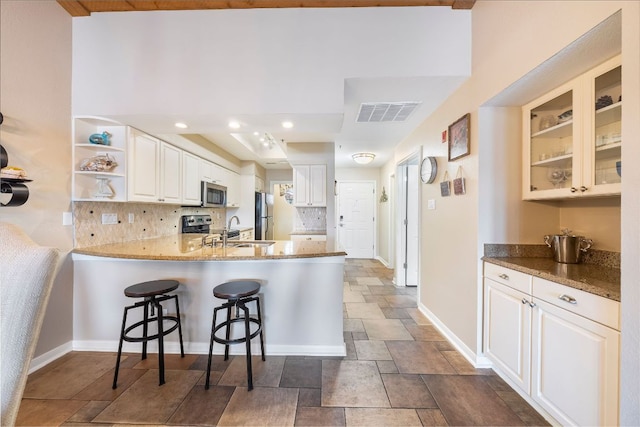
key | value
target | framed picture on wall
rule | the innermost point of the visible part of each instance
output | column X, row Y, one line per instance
column 459, row 138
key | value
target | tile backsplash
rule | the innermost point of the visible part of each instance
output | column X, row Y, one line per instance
column 149, row 220
column 310, row 219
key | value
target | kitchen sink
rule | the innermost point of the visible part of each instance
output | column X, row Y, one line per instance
column 249, row 243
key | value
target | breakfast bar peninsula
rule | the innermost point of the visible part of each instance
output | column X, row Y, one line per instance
column 301, row 291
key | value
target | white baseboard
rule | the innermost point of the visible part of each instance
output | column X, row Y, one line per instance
column 383, row 261
column 48, row 357
column 470, row 355
column 203, row 348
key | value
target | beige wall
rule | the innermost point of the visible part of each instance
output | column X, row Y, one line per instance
column 35, row 88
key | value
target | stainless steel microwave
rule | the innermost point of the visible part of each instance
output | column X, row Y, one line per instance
column 213, row 195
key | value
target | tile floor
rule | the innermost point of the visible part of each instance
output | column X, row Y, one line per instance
column 399, row 371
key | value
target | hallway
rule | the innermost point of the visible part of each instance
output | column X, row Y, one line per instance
column 398, row 371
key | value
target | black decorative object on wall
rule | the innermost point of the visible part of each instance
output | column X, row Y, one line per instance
column 14, row 186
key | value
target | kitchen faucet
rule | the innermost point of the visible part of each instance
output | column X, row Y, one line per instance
column 231, row 219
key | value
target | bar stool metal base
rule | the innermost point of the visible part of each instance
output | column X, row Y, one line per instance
column 153, row 294
column 239, row 295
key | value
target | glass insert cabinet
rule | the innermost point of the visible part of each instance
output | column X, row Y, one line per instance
column 572, row 137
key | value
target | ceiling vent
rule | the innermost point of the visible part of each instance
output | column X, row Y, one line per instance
column 386, row 111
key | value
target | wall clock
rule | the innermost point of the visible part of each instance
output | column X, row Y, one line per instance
column 428, row 170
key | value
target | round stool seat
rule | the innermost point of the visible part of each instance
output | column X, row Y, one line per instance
column 236, row 290
column 152, row 288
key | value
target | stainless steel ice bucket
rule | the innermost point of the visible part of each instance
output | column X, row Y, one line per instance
column 567, row 249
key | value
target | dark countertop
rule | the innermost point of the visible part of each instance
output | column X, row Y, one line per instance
column 592, row 278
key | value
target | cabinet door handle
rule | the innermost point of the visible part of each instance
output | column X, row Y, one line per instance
column 503, row 276
column 574, row 189
column 583, row 188
column 532, row 304
column 567, row 298
column 524, row 301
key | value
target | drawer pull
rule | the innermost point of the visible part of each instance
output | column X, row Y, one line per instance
column 567, row 298
column 503, row 276
column 524, row 301
column 532, row 304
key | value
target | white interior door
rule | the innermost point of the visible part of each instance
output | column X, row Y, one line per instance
column 408, row 229
column 356, row 216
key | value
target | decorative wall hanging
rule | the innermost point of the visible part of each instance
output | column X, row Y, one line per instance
column 459, row 138
column 383, row 198
column 445, row 185
column 458, row 183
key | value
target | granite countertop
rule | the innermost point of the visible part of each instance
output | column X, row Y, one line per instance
column 188, row 247
column 592, row 278
column 308, row 232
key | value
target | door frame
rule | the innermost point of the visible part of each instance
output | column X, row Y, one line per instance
column 374, row 227
column 402, row 199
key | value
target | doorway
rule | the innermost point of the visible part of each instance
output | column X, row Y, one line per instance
column 356, row 218
column 407, row 222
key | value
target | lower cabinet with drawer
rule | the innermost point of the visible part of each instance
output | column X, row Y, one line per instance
column 559, row 345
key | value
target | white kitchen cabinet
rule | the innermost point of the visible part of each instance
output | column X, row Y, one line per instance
column 259, row 184
column 309, row 185
column 507, row 331
column 231, row 180
column 190, row 180
column 155, row 170
column 210, row 172
column 308, row 237
column 558, row 344
column 572, row 140
column 91, row 181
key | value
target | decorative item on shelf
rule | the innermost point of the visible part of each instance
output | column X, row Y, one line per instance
column 103, row 138
column 104, row 189
column 363, row 158
column 566, row 116
column 603, row 101
column 459, row 138
column 445, row 185
column 459, row 183
column 99, row 163
column 384, row 198
column 12, row 179
column 558, row 177
column 547, row 121
column 13, row 172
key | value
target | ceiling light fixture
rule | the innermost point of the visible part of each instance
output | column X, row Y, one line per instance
column 363, row 158
column 268, row 141
column 181, row 125
column 234, row 124
column 287, row 124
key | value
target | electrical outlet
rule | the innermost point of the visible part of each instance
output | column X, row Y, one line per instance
column 110, row 218
column 131, row 218
column 67, row 218
column 431, row 204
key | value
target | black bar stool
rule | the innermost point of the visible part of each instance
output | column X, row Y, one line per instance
column 153, row 293
column 238, row 294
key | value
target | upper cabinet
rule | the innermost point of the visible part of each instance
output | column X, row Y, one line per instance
column 99, row 159
column 572, row 137
column 190, row 179
column 155, row 170
column 309, row 185
column 231, row 180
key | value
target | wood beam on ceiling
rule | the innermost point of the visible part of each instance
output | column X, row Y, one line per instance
column 86, row 7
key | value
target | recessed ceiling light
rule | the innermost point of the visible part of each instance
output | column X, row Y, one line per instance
column 287, row 125
column 181, row 125
column 234, row 124
column 256, row 133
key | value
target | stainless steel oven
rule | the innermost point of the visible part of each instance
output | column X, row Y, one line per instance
column 213, row 195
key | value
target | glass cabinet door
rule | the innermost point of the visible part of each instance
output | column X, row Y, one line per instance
column 551, row 145
column 607, row 140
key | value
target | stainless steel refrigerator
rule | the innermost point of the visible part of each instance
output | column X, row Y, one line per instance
column 264, row 216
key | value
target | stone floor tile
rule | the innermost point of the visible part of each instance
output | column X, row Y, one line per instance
column 76, row 374
column 462, row 365
column 369, row 281
column 425, row 333
column 101, row 389
column 377, row 299
column 351, row 383
column 470, row 401
column 358, row 288
column 309, row 397
column 363, row 310
column 431, row 417
column 387, row 367
column 407, row 391
column 351, row 351
column 47, row 412
column 417, row 315
column 401, row 301
column 320, row 417
column 306, row 373
column 145, row 402
column 444, row 345
column 264, row 406
column 266, row 373
column 202, row 407
column 386, row 330
column 89, row 411
column 372, row 417
column 372, row 350
column 418, row 357
column 352, row 296
column 527, row 414
column 382, row 290
column 171, row 361
column 395, row 313
column 360, row 336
